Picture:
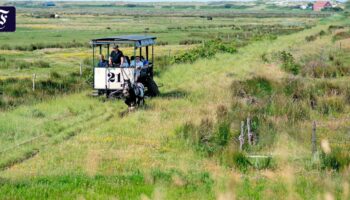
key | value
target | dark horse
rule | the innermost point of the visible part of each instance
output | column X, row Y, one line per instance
column 133, row 93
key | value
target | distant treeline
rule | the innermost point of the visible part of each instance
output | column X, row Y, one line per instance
column 203, row 14
column 143, row 10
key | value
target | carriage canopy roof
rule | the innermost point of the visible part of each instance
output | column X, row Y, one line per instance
column 138, row 40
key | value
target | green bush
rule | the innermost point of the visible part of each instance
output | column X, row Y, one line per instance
column 240, row 161
column 41, row 64
column 341, row 35
column 190, row 42
column 205, row 137
column 336, row 160
column 310, row 38
column 37, row 113
column 207, row 50
column 322, row 33
column 318, row 69
column 347, row 95
column 88, row 61
column 294, row 88
column 2, row 58
column 223, row 134
column 331, row 105
column 54, row 75
column 163, row 63
column 256, row 86
column 288, row 63
column 185, row 131
column 334, row 27
column 23, row 65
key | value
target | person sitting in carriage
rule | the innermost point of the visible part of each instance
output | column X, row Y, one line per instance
column 136, row 62
column 145, row 62
column 126, row 63
column 102, row 62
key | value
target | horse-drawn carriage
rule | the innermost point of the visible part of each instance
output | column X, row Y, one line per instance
column 118, row 81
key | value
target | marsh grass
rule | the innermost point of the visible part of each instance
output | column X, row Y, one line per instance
column 16, row 92
column 272, row 106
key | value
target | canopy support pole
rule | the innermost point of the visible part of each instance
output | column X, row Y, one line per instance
column 93, row 56
column 146, row 52
column 107, row 55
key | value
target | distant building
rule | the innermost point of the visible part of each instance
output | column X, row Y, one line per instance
column 303, row 7
column 319, row 5
column 49, row 4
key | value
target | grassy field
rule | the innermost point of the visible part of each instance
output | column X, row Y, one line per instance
column 184, row 144
column 53, row 49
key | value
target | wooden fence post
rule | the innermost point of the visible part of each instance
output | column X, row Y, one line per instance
column 34, row 77
column 241, row 137
column 81, row 69
column 250, row 134
column 313, row 138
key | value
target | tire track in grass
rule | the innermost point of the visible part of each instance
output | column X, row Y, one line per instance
column 69, row 133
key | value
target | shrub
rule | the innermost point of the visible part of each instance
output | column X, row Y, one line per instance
column 328, row 88
column 331, row 105
column 341, row 35
column 41, row 64
column 18, row 91
column 347, row 96
column 288, row 63
column 257, row 86
column 189, row 42
column 205, row 136
column 223, row 134
column 334, row 27
column 240, row 161
column 335, row 160
column 314, row 68
column 88, row 76
column 185, row 131
column 55, row 75
column 23, row 65
column 162, row 62
column 162, row 43
column 297, row 111
column 208, row 50
column 221, row 112
column 87, row 61
column 2, row 59
column 37, row 113
column 310, row 38
column 264, row 58
column 322, row 33
column 294, row 88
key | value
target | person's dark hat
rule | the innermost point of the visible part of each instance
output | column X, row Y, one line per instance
column 116, row 47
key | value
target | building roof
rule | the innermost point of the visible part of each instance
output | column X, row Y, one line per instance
column 321, row 3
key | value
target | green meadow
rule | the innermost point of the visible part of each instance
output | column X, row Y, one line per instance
column 59, row 142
